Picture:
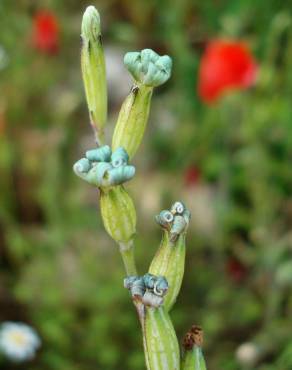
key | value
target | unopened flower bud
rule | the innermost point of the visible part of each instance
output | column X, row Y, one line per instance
column 108, row 171
column 103, row 168
column 148, row 68
column 93, row 71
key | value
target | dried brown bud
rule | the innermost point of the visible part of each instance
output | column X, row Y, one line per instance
column 194, row 337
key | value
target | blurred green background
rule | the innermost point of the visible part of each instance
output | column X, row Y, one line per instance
column 229, row 162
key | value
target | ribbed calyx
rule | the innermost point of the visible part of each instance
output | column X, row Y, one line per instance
column 159, row 338
column 148, row 70
column 169, row 260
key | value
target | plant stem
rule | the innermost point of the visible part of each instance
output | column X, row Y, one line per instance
column 127, row 253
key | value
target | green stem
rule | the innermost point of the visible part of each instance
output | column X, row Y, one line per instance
column 127, row 253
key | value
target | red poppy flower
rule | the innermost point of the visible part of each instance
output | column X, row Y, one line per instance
column 235, row 270
column 46, row 32
column 191, row 176
column 225, row 65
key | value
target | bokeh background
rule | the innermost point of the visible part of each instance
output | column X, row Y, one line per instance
column 229, row 161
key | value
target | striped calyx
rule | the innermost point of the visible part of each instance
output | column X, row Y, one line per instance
column 132, row 119
column 148, row 70
column 103, row 168
column 93, row 71
column 118, row 214
column 193, row 358
column 169, row 260
column 160, row 341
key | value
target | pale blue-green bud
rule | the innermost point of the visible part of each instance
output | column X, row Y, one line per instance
column 175, row 220
column 103, row 168
column 149, row 289
column 136, row 286
column 148, row 68
column 102, row 154
column 119, row 157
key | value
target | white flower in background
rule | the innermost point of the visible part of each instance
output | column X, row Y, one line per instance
column 18, row 341
column 247, row 354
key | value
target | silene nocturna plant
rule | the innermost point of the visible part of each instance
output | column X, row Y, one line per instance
column 108, row 168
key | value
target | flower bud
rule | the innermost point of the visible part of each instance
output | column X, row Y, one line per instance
column 93, row 71
column 169, row 260
column 193, row 358
column 148, row 289
column 148, row 70
column 108, row 170
column 103, row 168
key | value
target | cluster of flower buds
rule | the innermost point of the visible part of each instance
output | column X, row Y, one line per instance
column 103, row 168
column 148, row 68
column 108, row 171
column 148, row 289
column 175, row 220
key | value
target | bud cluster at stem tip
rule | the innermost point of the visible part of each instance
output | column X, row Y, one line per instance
column 103, row 168
column 148, row 68
column 148, row 289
